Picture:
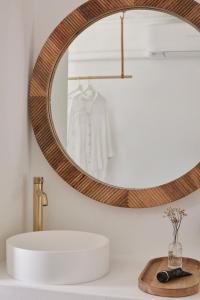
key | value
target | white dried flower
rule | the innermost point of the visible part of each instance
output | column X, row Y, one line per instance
column 175, row 215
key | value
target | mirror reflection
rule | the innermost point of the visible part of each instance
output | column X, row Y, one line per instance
column 136, row 132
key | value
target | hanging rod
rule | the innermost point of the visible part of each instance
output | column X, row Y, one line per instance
column 122, row 76
column 101, row 77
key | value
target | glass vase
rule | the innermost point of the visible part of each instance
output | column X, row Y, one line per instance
column 175, row 253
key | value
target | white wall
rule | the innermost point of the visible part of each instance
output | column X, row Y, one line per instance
column 15, row 61
column 140, row 232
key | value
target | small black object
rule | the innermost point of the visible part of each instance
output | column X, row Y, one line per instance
column 166, row 276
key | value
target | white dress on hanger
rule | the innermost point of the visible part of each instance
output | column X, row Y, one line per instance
column 89, row 137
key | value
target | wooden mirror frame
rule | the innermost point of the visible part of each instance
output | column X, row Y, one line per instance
column 40, row 111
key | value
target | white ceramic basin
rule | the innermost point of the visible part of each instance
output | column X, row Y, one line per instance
column 57, row 257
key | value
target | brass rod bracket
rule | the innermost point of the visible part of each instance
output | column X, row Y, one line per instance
column 122, row 76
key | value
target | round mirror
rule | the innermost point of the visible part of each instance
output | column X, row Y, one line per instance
column 137, row 132
column 114, row 103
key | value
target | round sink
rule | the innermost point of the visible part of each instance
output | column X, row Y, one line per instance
column 57, row 257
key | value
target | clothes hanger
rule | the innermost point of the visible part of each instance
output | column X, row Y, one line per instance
column 89, row 86
column 89, row 91
column 78, row 89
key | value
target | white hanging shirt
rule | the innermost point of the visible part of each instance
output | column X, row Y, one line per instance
column 89, row 138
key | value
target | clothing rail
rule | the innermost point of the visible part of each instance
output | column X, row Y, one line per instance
column 101, row 77
column 122, row 76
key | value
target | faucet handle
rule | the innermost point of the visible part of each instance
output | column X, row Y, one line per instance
column 44, row 199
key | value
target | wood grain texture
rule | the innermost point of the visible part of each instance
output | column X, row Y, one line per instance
column 181, row 287
column 40, row 112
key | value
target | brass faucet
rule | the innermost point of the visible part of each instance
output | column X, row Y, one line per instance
column 39, row 200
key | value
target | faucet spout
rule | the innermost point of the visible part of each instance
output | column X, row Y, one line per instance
column 39, row 200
